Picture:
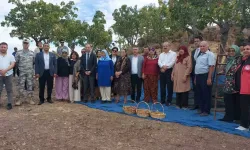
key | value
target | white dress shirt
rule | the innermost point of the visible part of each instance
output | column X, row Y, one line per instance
column 134, row 65
column 114, row 59
column 46, row 60
column 167, row 59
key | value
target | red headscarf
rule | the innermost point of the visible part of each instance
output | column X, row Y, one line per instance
column 181, row 57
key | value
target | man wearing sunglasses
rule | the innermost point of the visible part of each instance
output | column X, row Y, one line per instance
column 25, row 60
column 60, row 48
column 114, row 56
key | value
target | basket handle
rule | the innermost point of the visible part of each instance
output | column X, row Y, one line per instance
column 143, row 102
column 131, row 101
column 160, row 104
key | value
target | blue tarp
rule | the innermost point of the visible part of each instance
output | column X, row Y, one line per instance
column 184, row 117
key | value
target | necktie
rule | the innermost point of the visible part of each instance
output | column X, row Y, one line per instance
column 87, row 61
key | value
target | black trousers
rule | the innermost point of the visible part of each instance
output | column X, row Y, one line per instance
column 182, row 99
column 45, row 78
column 165, row 79
column 15, row 71
column 244, row 106
column 88, row 81
column 232, row 106
column 136, row 82
column 196, row 104
column 204, row 93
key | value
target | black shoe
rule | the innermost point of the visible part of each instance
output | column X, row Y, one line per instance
column 50, row 101
column 93, row 101
column 204, row 114
column 40, row 103
column 199, row 111
column 9, row 106
column 85, row 101
column 194, row 108
column 225, row 120
column 162, row 102
column 168, row 103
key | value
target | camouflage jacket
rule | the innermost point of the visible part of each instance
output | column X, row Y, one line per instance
column 25, row 61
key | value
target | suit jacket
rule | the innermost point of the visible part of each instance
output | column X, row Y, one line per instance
column 193, row 61
column 40, row 65
column 92, row 62
column 139, row 65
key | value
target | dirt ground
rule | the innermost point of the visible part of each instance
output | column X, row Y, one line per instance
column 72, row 127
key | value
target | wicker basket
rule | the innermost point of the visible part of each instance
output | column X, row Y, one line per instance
column 156, row 113
column 130, row 109
column 142, row 112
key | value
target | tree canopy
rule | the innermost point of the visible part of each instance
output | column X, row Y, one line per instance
column 43, row 21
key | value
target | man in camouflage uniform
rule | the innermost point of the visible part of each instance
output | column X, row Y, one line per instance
column 25, row 61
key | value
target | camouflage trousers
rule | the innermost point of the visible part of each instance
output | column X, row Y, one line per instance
column 28, row 78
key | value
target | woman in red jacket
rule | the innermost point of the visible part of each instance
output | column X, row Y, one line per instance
column 242, row 84
column 150, row 73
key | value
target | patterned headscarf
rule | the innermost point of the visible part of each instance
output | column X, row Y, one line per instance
column 232, row 59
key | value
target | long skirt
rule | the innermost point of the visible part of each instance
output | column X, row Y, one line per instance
column 62, row 88
column 151, row 88
column 74, row 94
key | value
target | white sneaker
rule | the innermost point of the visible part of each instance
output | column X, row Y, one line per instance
column 242, row 128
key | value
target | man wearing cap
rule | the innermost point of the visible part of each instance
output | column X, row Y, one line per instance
column 25, row 62
column 60, row 48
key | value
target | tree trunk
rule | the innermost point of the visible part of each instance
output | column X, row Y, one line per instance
column 224, row 30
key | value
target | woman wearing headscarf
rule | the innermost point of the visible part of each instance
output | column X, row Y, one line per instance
column 231, row 97
column 150, row 74
column 97, row 90
column 122, row 79
column 242, row 84
column 181, row 77
column 62, row 79
column 105, row 73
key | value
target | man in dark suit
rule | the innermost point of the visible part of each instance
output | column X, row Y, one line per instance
column 114, row 56
column 195, row 53
column 45, row 70
column 88, row 71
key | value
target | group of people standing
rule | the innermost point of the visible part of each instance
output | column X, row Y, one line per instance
column 237, row 86
column 102, row 75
